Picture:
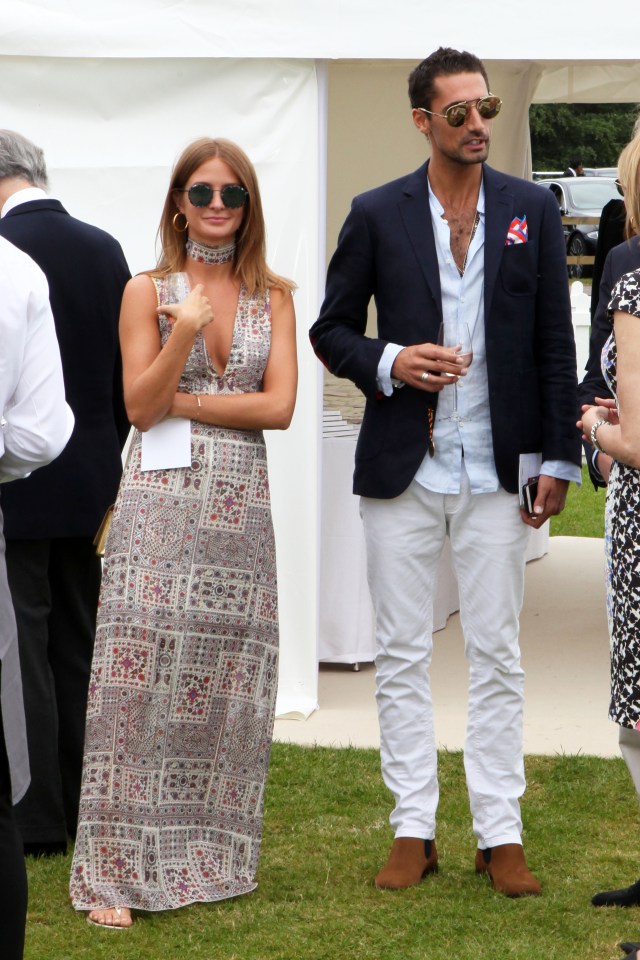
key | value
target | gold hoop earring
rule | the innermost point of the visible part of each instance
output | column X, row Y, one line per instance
column 175, row 225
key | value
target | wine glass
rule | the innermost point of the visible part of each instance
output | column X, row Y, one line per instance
column 456, row 335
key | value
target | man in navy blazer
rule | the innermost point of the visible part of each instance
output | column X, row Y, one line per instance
column 621, row 259
column 460, row 242
column 50, row 518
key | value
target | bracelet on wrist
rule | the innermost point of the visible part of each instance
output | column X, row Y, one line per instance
column 197, row 417
column 592, row 435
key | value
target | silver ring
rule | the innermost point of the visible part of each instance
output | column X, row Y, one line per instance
column 424, row 376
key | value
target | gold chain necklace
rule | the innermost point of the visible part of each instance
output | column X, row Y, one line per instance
column 476, row 221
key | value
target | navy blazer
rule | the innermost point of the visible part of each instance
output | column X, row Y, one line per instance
column 386, row 249
column 87, row 272
column 620, row 260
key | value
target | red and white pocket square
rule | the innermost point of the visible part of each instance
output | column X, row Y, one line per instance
column 518, row 231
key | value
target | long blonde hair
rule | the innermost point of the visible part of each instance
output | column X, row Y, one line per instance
column 629, row 176
column 250, row 263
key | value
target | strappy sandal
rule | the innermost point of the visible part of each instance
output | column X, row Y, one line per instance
column 630, row 950
column 110, row 926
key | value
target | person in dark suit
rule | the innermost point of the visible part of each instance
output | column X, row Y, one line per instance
column 610, row 234
column 455, row 240
column 35, row 424
column 575, row 168
column 620, row 260
column 52, row 517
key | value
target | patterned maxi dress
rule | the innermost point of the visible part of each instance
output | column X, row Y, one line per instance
column 622, row 545
column 183, row 684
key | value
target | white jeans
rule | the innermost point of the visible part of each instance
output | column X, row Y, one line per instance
column 404, row 539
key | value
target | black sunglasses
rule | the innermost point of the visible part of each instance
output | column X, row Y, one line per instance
column 620, row 188
column 455, row 115
column 232, row 195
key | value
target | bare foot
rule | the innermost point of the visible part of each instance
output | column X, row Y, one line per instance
column 116, row 918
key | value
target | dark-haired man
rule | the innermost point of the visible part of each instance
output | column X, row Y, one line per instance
column 575, row 168
column 454, row 241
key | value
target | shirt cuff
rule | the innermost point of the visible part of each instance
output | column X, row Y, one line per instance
column 562, row 470
column 594, row 466
column 384, row 380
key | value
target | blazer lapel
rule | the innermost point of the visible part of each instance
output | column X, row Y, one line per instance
column 416, row 216
column 499, row 214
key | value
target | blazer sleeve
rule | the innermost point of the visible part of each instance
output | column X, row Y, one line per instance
column 593, row 383
column 338, row 336
column 610, row 234
column 555, row 349
column 120, row 416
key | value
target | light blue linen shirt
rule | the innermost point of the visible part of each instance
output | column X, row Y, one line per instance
column 463, row 301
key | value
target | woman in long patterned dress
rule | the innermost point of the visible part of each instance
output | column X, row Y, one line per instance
column 613, row 427
column 183, row 684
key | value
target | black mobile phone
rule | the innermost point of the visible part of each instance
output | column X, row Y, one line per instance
column 529, row 494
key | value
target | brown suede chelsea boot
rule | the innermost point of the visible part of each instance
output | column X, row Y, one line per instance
column 410, row 859
column 508, row 870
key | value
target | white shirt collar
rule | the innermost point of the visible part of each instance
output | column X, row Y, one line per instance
column 22, row 196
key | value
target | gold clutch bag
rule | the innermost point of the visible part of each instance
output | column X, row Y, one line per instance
column 100, row 539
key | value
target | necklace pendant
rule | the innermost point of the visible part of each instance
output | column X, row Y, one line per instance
column 476, row 221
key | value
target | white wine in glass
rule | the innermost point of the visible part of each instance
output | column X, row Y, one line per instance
column 456, row 336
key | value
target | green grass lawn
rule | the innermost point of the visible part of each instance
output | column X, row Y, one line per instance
column 327, row 834
column 583, row 515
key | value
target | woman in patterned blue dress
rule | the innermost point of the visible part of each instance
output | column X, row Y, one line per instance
column 182, row 691
column 613, row 427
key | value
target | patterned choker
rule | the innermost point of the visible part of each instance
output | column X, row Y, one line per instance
column 203, row 253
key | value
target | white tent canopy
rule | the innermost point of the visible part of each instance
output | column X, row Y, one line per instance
column 319, row 29
column 315, row 92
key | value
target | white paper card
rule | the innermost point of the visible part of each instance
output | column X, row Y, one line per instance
column 529, row 469
column 167, row 446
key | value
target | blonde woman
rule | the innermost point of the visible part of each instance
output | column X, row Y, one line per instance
column 183, row 685
column 613, row 427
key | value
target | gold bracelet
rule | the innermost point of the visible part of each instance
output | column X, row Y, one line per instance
column 199, row 408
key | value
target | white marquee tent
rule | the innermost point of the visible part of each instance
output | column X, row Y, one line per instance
column 315, row 91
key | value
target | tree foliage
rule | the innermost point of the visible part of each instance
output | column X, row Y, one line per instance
column 597, row 132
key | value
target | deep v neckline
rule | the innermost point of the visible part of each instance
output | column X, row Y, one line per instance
column 205, row 348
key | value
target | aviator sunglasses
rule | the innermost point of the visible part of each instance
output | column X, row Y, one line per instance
column 232, row 195
column 455, row 115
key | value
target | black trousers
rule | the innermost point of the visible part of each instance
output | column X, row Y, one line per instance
column 54, row 586
column 13, row 874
